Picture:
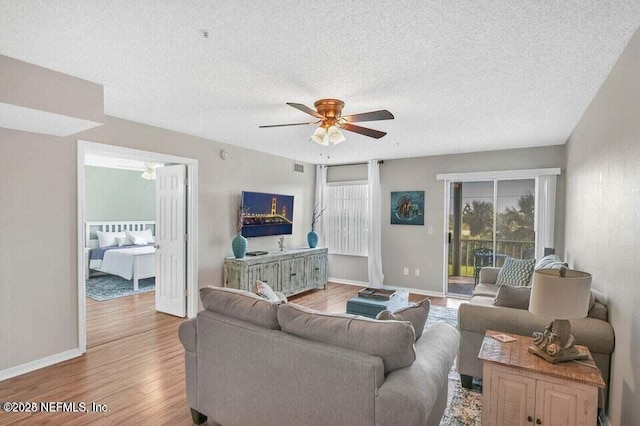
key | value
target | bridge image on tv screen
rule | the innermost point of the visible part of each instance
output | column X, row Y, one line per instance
column 267, row 214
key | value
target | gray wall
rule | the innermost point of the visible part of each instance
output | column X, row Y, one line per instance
column 23, row 84
column 412, row 246
column 603, row 218
column 38, row 210
column 116, row 194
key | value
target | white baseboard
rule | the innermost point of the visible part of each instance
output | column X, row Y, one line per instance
column 38, row 364
column 425, row 292
column 348, row 282
column 365, row 284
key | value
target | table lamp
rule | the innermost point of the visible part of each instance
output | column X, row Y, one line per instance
column 559, row 294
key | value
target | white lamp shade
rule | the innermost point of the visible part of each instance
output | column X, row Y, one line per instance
column 335, row 135
column 149, row 174
column 560, row 297
column 319, row 136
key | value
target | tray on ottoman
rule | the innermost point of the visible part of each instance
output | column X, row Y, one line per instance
column 371, row 307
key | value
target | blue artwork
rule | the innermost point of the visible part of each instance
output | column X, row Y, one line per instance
column 407, row 208
column 266, row 214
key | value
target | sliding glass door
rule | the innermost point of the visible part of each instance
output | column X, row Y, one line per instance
column 488, row 221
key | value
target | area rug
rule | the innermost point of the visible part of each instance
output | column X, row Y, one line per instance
column 108, row 287
column 464, row 406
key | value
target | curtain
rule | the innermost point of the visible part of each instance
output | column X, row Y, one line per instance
column 320, row 202
column 376, row 277
column 347, row 218
column 545, row 211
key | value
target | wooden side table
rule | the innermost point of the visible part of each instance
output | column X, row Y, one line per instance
column 520, row 388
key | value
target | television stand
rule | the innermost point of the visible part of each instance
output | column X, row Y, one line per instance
column 290, row 272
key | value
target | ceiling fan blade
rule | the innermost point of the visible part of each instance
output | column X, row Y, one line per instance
column 383, row 114
column 306, row 109
column 363, row 130
column 285, row 125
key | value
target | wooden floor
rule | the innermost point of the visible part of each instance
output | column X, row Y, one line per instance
column 119, row 318
column 138, row 374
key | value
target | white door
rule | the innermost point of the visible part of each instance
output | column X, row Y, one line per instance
column 170, row 240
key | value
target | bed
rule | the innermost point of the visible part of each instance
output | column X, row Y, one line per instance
column 131, row 262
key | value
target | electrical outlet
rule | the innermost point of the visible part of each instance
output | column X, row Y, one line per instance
column 430, row 230
column 417, row 272
column 406, row 271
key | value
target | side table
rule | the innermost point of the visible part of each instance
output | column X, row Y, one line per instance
column 520, row 388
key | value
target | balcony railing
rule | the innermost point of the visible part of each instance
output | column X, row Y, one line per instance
column 510, row 248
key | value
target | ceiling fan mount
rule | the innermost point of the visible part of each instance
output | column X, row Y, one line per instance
column 330, row 119
column 330, row 108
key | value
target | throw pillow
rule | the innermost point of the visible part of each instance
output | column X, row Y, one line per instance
column 108, row 239
column 513, row 297
column 146, row 234
column 390, row 340
column 263, row 290
column 122, row 241
column 242, row 305
column 547, row 260
column 516, row 272
column 137, row 241
column 415, row 313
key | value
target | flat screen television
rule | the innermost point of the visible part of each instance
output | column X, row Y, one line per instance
column 266, row 214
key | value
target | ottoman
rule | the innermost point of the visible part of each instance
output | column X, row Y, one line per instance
column 371, row 307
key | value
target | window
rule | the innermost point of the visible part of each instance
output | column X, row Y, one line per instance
column 346, row 222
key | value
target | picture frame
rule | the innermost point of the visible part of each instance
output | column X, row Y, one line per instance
column 407, row 207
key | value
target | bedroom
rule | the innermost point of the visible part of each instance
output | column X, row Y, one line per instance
column 119, row 246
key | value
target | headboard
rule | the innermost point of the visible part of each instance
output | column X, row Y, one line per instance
column 91, row 238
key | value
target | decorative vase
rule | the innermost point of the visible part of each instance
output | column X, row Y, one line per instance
column 312, row 239
column 239, row 246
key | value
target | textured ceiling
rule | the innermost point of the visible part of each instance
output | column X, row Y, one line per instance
column 458, row 76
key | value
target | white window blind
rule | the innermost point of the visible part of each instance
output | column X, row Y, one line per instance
column 346, row 221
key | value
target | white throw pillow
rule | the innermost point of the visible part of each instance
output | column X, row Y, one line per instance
column 122, row 241
column 146, row 235
column 138, row 241
column 263, row 290
column 547, row 262
column 108, row 239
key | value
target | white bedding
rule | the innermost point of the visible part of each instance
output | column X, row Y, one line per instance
column 121, row 261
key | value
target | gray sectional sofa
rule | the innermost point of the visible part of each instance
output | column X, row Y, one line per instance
column 480, row 315
column 243, row 369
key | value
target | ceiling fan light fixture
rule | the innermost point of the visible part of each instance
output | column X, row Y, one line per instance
column 319, row 136
column 335, row 135
column 150, row 173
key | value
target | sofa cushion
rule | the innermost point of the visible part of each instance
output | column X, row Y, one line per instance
column 598, row 311
column 516, row 272
column 390, row 340
column 415, row 313
column 486, row 290
column 241, row 305
column 513, row 297
column 482, row 300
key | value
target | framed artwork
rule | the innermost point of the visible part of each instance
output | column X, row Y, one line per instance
column 266, row 214
column 407, row 207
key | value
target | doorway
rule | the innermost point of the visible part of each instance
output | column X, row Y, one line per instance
column 171, row 264
column 488, row 221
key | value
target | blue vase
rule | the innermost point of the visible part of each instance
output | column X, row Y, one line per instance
column 239, row 246
column 312, row 239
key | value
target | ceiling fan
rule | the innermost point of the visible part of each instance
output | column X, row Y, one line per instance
column 329, row 115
